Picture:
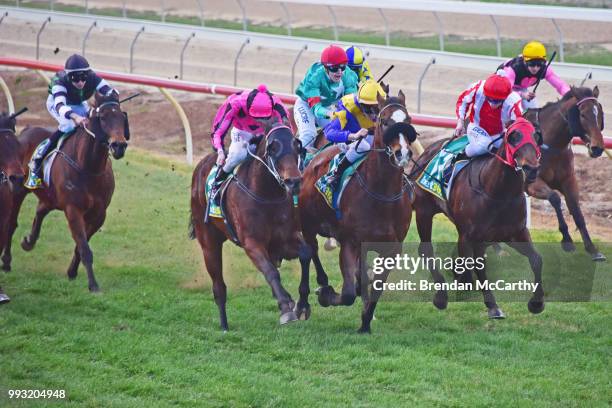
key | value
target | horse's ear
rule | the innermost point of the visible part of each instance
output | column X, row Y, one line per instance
column 596, row 91
column 385, row 87
column 381, row 100
column 402, row 97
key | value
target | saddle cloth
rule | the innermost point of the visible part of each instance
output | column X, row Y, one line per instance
column 332, row 197
column 437, row 178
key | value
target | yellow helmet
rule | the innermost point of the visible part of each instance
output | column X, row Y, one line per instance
column 534, row 50
column 367, row 92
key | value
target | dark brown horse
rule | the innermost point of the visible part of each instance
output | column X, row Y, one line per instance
column 82, row 180
column 11, row 175
column 375, row 207
column 578, row 113
column 487, row 205
column 11, row 179
column 259, row 208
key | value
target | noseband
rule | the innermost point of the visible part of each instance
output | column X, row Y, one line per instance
column 268, row 163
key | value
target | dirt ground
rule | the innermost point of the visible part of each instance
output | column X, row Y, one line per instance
column 155, row 127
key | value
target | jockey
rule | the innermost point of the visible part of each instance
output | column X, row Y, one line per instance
column 69, row 91
column 353, row 120
column 492, row 105
column 246, row 112
column 524, row 70
column 358, row 63
column 325, row 83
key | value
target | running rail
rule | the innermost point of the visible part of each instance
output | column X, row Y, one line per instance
column 417, row 119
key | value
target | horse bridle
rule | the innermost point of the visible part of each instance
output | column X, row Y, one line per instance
column 387, row 149
column 269, row 161
column 583, row 136
column 97, row 111
column 3, row 176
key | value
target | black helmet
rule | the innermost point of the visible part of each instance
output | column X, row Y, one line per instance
column 76, row 63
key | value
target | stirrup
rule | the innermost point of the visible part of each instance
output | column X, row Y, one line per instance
column 33, row 182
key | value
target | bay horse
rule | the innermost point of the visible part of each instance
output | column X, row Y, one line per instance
column 487, row 205
column 11, row 179
column 11, row 174
column 375, row 206
column 81, row 180
column 577, row 113
column 259, row 208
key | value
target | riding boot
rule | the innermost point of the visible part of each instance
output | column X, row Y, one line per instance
column 40, row 153
column 214, row 191
column 449, row 170
column 334, row 178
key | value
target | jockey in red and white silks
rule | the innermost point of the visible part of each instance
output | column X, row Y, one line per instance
column 491, row 105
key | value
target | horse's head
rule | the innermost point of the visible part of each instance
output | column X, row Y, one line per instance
column 586, row 119
column 280, row 151
column 521, row 150
column 109, row 124
column 393, row 129
column 10, row 166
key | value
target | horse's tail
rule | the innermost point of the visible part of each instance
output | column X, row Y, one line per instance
column 191, row 228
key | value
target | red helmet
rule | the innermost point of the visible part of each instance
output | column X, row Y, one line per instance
column 333, row 55
column 497, row 87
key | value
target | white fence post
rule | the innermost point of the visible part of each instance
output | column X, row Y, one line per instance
column 132, row 48
column 287, row 18
column 387, row 35
column 499, row 50
column 334, row 21
column 183, row 53
column 560, row 35
column 248, row 40
column 40, row 30
column 295, row 61
column 94, row 24
column 244, row 18
column 431, row 61
column 440, row 30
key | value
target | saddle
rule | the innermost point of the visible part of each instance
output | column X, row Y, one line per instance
column 332, row 197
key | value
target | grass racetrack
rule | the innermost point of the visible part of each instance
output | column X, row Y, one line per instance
column 151, row 338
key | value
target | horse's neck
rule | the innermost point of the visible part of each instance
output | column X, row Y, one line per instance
column 259, row 179
column 87, row 153
column 557, row 133
column 379, row 174
column 500, row 180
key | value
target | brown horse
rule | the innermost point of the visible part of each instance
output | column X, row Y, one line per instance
column 578, row 113
column 11, row 179
column 375, row 207
column 487, row 205
column 260, row 211
column 11, row 175
column 82, row 180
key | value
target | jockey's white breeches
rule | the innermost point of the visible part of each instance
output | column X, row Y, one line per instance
column 479, row 141
column 66, row 125
column 306, row 122
column 237, row 151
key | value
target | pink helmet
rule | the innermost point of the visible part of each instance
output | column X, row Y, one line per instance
column 259, row 102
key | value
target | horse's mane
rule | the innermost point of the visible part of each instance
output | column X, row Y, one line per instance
column 574, row 92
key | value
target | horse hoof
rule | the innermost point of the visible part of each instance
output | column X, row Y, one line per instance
column 568, row 246
column 6, row 267
column 26, row 245
column 330, row 244
column 288, row 317
column 4, row 298
column 324, row 293
column 94, row 289
column 496, row 313
column 597, row 257
column 302, row 312
column 440, row 300
column 72, row 276
column 364, row 330
column 535, row 307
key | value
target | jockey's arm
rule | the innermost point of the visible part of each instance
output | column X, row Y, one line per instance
column 334, row 132
column 560, row 85
column 104, row 87
column 223, row 126
column 463, row 102
column 318, row 109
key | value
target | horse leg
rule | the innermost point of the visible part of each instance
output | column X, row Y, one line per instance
column 523, row 245
column 465, row 249
column 493, row 310
column 92, row 228
column 28, row 242
column 302, row 308
column 260, row 257
column 570, row 191
column 424, row 226
column 369, row 305
column 349, row 266
column 12, row 226
column 212, row 249
column 78, row 228
column 324, row 292
column 539, row 189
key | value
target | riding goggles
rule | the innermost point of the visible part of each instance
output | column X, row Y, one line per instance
column 336, row 68
column 495, row 101
column 79, row 76
column 536, row 63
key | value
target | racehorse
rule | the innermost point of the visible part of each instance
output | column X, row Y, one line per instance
column 260, row 215
column 375, row 207
column 487, row 205
column 578, row 113
column 81, row 180
column 11, row 179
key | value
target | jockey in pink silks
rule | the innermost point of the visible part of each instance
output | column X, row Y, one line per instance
column 245, row 112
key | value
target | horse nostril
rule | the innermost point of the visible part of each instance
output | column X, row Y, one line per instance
column 596, row 151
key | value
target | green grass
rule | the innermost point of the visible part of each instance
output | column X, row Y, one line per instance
column 576, row 53
column 151, row 338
